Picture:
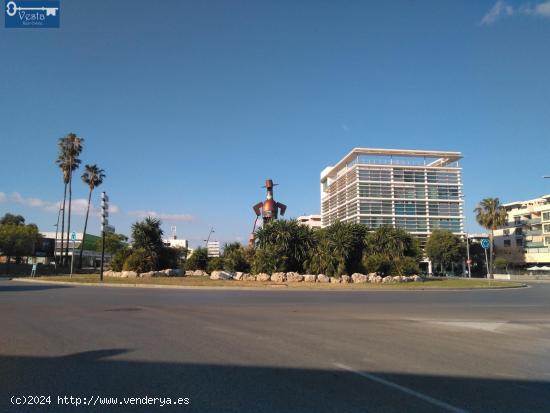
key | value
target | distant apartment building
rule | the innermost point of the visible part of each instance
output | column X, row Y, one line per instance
column 213, row 248
column 176, row 243
column 312, row 221
column 416, row 190
column 525, row 239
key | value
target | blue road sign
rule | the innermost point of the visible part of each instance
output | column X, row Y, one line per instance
column 73, row 236
column 485, row 243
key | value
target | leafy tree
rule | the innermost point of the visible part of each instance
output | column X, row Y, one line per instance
column 170, row 257
column 113, row 243
column 235, row 258
column 198, row 260
column 338, row 249
column 18, row 240
column 490, row 214
column 443, row 247
column 290, row 240
column 477, row 255
column 93, row 177
column 70, row 147
column 147, row 234
column 12, row 219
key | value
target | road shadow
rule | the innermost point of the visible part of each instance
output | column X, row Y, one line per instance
column 236, row 388
column 6, row 288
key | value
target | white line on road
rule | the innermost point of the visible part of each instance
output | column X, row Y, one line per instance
column 406, row 390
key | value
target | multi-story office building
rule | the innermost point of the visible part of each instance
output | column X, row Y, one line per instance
column 312, row 221
column 526, row 236
column 416, row 190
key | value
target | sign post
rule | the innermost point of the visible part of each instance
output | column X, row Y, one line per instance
column 73, row 239
column 485, row 244
column 104, row 225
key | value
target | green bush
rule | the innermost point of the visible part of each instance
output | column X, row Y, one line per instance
column 198, row 260
column 235, row 258
column 215, row 264
column 405, row 266
column 139, row 261
column 377, row 263
column 268, row 260
column 117, row 260
column 501, row 263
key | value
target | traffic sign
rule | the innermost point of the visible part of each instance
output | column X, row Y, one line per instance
column 73, row 236
column 485, row 243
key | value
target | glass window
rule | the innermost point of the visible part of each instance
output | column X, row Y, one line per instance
column 507, row 243
column 519, row 242
column 452, row 224
column 546, row 216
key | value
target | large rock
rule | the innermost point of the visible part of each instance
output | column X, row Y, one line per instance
column 189, row 273
column 200, row 273
column 294, row 277
column 278, row 277
column 322, row 278
column 378, row 279
column 372, row 273
column 388, row 279
column 346, row 279
column 129, row 274
column 310, row 278
column 417, row 278
column 397, row 279
column 116, row 273
column 238, row 275
column 372, row 277
column 248, row 277
column 148, row 274
column 359, row 278
column 263, row 277
column 221, row 275
column 335, row 280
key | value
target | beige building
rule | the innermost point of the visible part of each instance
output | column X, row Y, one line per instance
column 526, row 236
column 416, row 190
column 312, row 221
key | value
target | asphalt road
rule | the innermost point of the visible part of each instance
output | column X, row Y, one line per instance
column 276, row 351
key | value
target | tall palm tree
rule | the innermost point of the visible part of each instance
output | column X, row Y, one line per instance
column 70, row 147
column 93, row 177
column 490, row 214
column 61, row 162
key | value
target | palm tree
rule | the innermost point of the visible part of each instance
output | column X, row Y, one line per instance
column 61, row 161
column 93, row 177
column 70, row 147
column 490, row 214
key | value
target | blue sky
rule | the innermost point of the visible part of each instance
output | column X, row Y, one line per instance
column 190, row 106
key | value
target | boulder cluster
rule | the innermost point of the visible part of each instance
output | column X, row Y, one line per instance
column 277, row 277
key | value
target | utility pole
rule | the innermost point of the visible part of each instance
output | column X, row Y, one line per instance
column 104, row 224
column 209, row 234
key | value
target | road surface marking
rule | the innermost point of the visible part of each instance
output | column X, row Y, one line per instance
column 406, row 390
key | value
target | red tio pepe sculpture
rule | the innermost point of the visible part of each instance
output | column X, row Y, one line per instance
column 268, row 210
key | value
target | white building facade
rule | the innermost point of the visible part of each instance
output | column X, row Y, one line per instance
column 312, row 221
column 525, row 239
column 416, row 190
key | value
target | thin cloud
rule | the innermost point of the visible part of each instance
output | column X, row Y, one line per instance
column 78, row 207
column 503, row 9
column 161, row 215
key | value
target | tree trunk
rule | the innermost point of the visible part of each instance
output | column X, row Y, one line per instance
column 85, row 226
column 62, row 227
column 69, row 214
column 491, row 238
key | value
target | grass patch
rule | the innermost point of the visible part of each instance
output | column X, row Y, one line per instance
column 454, row 283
